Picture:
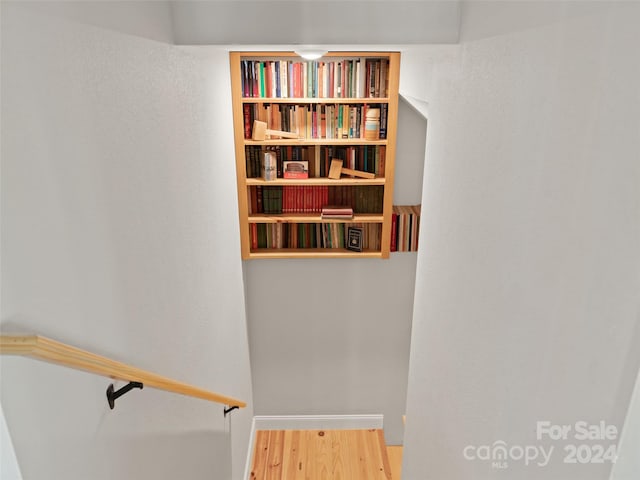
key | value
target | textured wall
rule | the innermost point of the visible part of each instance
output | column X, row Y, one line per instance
column 529, row 271
column 627, row 466
column 116, row 237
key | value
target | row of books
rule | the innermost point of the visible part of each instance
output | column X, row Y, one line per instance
column 254, row 157
column 279, row 199
column 405, row 228
column 366, row 158
column 344, row 78
column 313, row 235
column 337, row 121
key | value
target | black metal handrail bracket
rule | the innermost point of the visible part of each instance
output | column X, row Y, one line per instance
column 230, row 409
column 113, row 395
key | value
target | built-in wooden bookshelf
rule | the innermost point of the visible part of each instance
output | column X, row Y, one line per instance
column 341, row 106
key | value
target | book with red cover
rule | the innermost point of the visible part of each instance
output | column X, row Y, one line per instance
column 394, row 232
column 246, row 110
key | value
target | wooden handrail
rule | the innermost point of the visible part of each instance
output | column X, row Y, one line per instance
column 45, row 349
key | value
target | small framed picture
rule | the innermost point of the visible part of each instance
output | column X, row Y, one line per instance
column 354, row 237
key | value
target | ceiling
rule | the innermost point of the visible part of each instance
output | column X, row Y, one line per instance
column 381, row 23
column 320, row 22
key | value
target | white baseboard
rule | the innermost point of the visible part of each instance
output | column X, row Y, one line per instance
column 309, row 422
column 318, row 422
column 252, row 437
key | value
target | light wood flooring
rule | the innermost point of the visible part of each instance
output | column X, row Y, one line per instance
column 394, row 452
column 323, row 455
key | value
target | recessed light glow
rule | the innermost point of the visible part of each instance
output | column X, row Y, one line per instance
column 311, row 54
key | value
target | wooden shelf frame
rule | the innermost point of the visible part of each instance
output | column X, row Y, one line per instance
column 244, row 183
column 323, row 100
column 316, row 141
column 319, row 181
column 52, row 351
column 312, row 218
column 312, row 253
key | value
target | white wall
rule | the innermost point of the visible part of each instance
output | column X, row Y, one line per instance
column 9, row 468
column 143, row 18
column 627, row 467
column 528, row 272
column 332, row 336
column 118, row 236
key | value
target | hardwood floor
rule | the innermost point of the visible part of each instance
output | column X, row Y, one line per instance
column 320, row 455
column 394, row 453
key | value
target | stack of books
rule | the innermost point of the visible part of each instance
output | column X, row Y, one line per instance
column 405, row 228
column 330, row 121
column 337, row 211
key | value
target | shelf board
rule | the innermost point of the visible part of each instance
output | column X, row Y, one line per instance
column 315, row 181
column 316, row 141
column 313, row 253
column 302, row 100
column 313, row 218
column 338, row 54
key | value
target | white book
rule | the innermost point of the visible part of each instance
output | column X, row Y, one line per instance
column 362, row 78
column 269, row 166
column 272, row 71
